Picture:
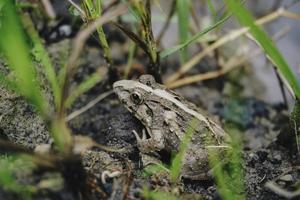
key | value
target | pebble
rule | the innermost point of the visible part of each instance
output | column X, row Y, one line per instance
column 277, row 157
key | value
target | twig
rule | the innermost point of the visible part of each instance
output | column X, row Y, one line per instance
column 263, row 178
column 271, row 185
column 291, row 15
column 213, row 74
column 78, row 45
column 230, row 65
column 49, row 9
column 83, row 35
column 41, row 160
column 282, row 192
column 88, row 106
column 229, row 37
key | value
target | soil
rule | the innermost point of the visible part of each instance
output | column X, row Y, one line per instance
column 269, row 149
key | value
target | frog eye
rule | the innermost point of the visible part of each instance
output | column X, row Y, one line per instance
column 136, row 97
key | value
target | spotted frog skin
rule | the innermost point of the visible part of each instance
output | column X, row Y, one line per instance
column 166, row 116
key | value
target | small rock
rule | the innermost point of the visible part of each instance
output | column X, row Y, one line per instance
column 278, row 157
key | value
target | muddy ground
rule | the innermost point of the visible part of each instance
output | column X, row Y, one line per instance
column 269, row 149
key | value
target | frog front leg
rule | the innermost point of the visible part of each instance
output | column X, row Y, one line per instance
column 154, row 143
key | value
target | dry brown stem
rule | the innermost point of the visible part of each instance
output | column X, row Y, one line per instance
column 227, row 38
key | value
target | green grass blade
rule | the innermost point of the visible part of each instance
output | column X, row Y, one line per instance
column 89, row 4
column 158, row 195
column 245, row 18
column 98, row 6
column 42, row 57
column 229, row 180
column 16, row 51
column 83, row 87
column 154, row 169
column 94, row 11
column 9, row 167
column 193, row 39
column 182, row 8
column 177, row 161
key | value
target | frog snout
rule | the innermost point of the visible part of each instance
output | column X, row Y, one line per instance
column 122, row 95
column 117, row 90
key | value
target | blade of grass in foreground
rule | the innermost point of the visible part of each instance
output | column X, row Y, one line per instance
column 158, row 195
column 41, row 55
column 9, row 166
column 246, row 19
column 83, row 87
column 177, row 161
column 94, row 11
column 16, row 51
column 14, row 47
column 229, row 179
column 193, row 39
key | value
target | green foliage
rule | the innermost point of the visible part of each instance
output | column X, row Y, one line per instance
column 183, row 7
column 16, row 51
column 94, row 7
column 142, row 11
column 154, row 169
column 93, row 11
column 294, row 118
column 175, row 167
column 83, row 87
column 157, row 195
column 10, row 165
column 8, row 83
column 246, row 19
column 41, row 56
column 177, row 161
column 228, row 167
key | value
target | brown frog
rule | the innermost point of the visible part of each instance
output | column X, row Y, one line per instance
column 166, row 117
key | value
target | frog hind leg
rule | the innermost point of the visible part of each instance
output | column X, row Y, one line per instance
column 196, row 165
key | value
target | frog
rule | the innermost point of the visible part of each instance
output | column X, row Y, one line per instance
column 166, row 117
